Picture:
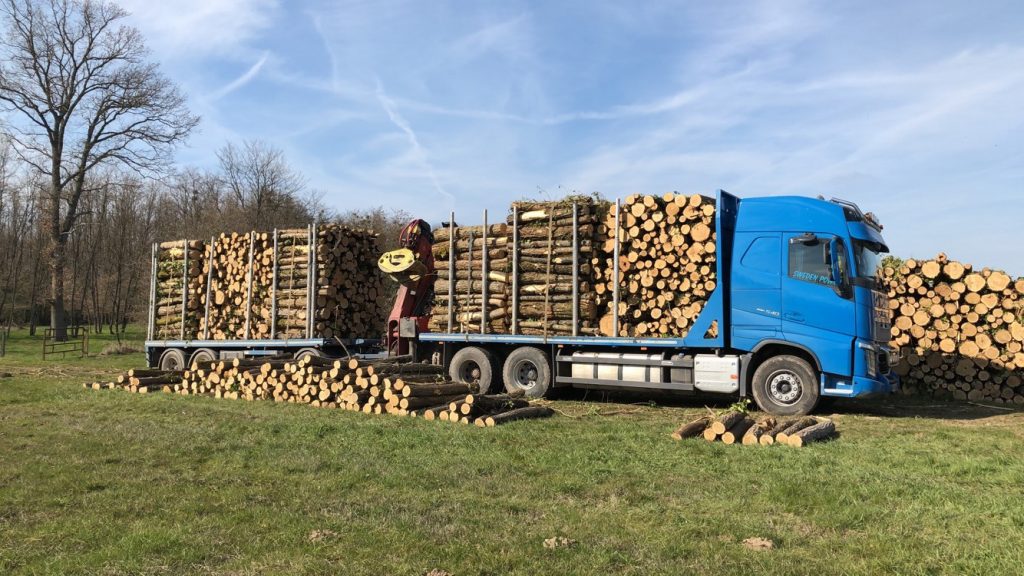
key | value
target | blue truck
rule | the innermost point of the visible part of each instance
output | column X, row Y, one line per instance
column 798, row 312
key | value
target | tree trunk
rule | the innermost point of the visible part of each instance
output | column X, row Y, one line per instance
column 57, row 320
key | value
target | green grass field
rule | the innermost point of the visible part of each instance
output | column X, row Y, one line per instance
column 106, row 482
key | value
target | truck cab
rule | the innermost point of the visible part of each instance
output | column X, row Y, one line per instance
column 806, row 304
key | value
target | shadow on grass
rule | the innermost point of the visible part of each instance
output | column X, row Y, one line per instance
column 893, row 406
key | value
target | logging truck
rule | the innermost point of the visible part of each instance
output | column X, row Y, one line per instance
column 795, row 312
column 776, row 298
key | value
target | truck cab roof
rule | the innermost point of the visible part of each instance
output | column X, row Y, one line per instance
column 787, row 213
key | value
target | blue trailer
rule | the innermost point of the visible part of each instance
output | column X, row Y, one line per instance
column 797, row 315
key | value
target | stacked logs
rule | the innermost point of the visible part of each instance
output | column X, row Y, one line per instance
column 352, row 298
column 667, row 264
column 545, row 265
column 389, row 386
column 141, row 381
column 174, row 314
column 232, row 289
column 734, row 427
column 465, row 284
column 959, row 331
column 349, row 299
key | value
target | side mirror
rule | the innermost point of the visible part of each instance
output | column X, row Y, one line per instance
column 836, row 258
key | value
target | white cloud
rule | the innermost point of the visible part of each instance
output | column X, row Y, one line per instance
column 180, row 29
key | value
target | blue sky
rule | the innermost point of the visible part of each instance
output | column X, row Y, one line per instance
column 914, row 110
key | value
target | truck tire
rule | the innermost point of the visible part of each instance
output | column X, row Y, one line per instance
column 307, row 352
column 172, row 359
column 473, row 365
column 527, row 369
column 786, row 386
column 202, row 355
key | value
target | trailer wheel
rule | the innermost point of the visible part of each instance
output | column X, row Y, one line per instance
column 307, row 352
column 786, row 386
column 527, row 369
column 172, row 359
column 473, row 365
column 202, row 355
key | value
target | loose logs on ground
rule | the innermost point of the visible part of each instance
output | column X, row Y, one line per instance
column 141, row 381
column 737, row 427
column 375, row 387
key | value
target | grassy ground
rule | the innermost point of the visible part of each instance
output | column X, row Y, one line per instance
column 106, row 482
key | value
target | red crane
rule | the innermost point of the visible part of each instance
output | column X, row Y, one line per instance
column 412, row 266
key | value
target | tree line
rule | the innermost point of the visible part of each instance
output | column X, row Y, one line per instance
column 87, row 177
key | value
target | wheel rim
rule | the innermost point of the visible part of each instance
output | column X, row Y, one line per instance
column 785, row 387
column 525, row 374
column 171, row 362
column 470, row 373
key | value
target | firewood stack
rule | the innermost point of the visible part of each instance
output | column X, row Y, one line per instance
column 350, row 299
column 389, row 386
column 960, row 332
column 667, row 264
column 170, row 265
column 292, row 285
column 545, row 266
column 468, row 299
column 230, row 287
column 735, row 427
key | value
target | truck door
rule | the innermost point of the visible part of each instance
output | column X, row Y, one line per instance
column 757, row 272
column 817, row 308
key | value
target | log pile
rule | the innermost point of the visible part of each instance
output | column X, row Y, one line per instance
column 545, row 265
column 271, row 299
column 734, row 427
column 173, row 314
column 467, row 282
column 667, row 264
column 141, row 381
column 959, row 331
column 390, row 386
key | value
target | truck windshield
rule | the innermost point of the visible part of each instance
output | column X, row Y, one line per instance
column 868, row 256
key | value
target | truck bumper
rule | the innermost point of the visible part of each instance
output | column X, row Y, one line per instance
column 859, row 386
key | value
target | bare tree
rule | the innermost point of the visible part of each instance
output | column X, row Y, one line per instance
column 263, row 185
column 82, row 94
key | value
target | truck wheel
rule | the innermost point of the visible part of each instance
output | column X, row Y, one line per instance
column 202, row 355
column 786, row 386
column 474, row 365
column 172, row 359
column 527, row 369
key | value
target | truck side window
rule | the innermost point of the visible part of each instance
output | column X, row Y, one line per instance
column 810, row 262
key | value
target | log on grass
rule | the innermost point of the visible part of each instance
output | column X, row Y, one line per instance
column 692, row 429
column 819, row 431
column 737, row 431
column 783, row 436
column 518, row 414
